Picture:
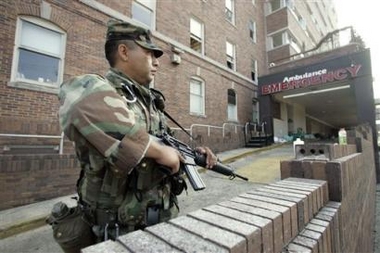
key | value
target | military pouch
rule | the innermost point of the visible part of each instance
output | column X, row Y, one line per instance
column 178, row 184
column 71, row 230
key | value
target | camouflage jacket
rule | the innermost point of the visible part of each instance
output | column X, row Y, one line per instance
column 110, row 128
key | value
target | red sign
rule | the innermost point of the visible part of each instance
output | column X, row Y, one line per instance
column 311, row 78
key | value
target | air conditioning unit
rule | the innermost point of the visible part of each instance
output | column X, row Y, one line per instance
column 176, row 59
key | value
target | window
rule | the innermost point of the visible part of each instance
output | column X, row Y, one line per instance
column 230, row 11
column 232, row 108
column 197, row 97
column 143, row 11
column 255, row 110
column 276, row 109
column 278, row 4
column 252, row 30
column 275, row 5
column 254, row 70
column 277, row 40
column 39, row 55
column 230, row 51
column 284, row 38
column 196, row 36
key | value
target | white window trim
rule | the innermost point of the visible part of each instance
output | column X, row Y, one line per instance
column 203, row 113
column 254, row 39
column 31, row 84
column 152, row 8
column 232, row 21
column 233, row 55
column 255, row 69
column 235, row 108
column 202, row 35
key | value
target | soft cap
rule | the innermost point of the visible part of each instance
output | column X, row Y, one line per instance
column 121, row 30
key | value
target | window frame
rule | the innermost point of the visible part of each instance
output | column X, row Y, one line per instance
column 195, row 37
column 230, row 18
column 233, row 56
column 144, row 6
column 24, row 83
column 232, row 107
column 200, row 96
column 252, row 29
column 254, row 69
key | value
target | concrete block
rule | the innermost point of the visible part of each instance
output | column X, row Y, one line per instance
column 244, row 205
column 140, row 241
column 251, row 233
column 309, row 243
column 299, row 220
column 264, row 224
column 292, row 206
column 295, row 248
column 107, row 246
column 233, row 242
column 302, row 201
column 183, row 240
column 317, row 191
column 317, row 236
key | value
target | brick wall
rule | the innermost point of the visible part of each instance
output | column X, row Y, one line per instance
column 27, row 179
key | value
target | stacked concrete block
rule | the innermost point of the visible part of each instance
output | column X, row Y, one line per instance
column 351, row 176
column 263, row 220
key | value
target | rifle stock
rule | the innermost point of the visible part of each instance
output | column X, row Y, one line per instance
column 191, row 157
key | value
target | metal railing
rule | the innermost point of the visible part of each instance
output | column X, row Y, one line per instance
column 209, row 127
column 60, row 151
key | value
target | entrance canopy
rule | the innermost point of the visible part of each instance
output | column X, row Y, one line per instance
column 336, row 92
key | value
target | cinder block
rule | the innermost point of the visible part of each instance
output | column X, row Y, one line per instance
column 327, row 227
column 139, row 241
column 285, row 169
column 292, row 206
column 182, row 239
column 233, row 242
column 321, row 183
column 300, row 219
column 309, row 243
column 251, row 233
column 310, row 188
column 249, row 206
column 107, row 246
column 311, row 195
column 323, row 231
column 317, row 236
column 304, row 216
column 293, row 248
column 264, row 224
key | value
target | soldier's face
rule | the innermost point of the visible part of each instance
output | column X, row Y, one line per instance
column 141, row 65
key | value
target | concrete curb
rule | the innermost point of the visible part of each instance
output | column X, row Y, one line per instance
column 256, row 150
column 39, row 220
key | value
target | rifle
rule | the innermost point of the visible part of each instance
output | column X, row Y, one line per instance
column 191, row 156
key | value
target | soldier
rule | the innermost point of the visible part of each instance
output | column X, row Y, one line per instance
column 122, row 186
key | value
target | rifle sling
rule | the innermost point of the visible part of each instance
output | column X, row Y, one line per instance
column 183, row 129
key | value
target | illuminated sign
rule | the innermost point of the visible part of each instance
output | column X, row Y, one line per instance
column 307, row 79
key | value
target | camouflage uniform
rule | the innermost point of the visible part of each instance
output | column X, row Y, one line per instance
column 110, row 127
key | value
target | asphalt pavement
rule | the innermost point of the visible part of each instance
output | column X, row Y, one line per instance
column 260, row 166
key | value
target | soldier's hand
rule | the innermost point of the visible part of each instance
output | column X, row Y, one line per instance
column 211, row 158
column 164, row 155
